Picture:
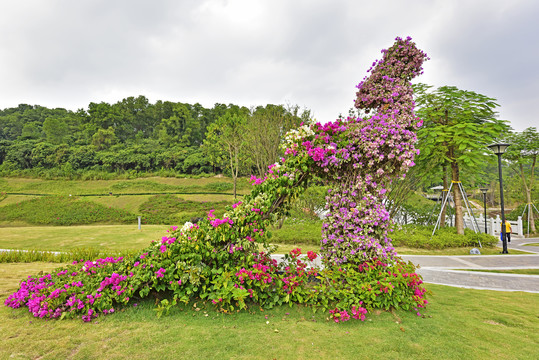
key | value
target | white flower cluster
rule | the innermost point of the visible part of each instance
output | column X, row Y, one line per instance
column 186, row 227
column 296, row 135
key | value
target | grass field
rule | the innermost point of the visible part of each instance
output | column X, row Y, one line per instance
column 459, row 324
column 58, row 238
column 152, row 184
column 129, row 203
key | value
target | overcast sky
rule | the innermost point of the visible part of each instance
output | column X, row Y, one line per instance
column 65, row 53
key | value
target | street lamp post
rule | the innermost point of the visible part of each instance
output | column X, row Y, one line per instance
column 484, row 191
column 499, row 149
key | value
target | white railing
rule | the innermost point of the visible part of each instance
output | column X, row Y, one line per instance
column 494, row 226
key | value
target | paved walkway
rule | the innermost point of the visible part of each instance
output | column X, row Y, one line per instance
column 444, row 270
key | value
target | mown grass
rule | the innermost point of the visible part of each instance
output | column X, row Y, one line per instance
column 15, row 199
column 459, row 324
column 78, row 254
column 152, row 184
column 298, row 232
column 62, row 238
column 130, row 203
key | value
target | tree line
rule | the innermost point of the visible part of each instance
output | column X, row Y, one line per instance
column 134, row 135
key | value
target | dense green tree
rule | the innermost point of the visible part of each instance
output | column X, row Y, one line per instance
column 43, row 155
column 10, row 126
column 138, row 115
column 4, row 148
column 266, row 128
column 226, row 143
column 176, row 130
column 83, row 157
column 20, row 153
column 523, row 154
column 55, row 129
column 104, row 138
column 457, row 126
column 196, row 162
column 104, row 115
column 31, row 131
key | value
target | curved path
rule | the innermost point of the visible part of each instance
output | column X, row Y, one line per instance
column 443, row 270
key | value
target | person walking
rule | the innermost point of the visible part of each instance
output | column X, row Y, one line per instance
column 507, row 230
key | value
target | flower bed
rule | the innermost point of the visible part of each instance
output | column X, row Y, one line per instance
column 218, row 259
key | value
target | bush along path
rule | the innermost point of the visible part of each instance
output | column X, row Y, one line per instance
column 217, row 259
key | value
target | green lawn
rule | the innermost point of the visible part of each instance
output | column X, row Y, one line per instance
column 120, row 186
column 130, row 203
column 58, row 238
column 459, row 324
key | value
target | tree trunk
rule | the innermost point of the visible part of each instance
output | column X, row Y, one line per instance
column 232, row 151
column 445, row 193
column 459, row 218
column 528, row 192
column 235, row 171
column 530, row 210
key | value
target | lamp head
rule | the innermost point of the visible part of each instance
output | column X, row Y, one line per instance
column 498, row 149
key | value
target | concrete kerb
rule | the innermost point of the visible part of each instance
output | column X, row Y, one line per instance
column 481, row 280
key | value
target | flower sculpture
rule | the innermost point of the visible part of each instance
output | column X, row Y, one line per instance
column 360, row 157
column 218, row 259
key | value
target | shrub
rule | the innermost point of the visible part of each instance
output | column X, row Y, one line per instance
column 26, row 256
column 298, row 231
column 415, row 236
column 373, row 284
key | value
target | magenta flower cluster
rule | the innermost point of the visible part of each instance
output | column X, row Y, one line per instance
column 46, row 298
